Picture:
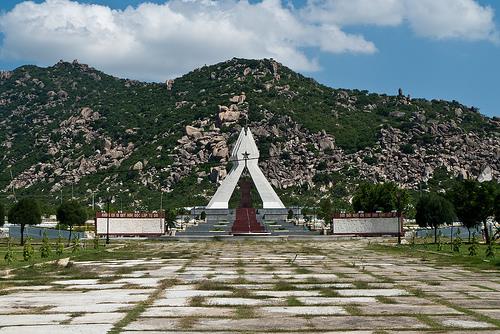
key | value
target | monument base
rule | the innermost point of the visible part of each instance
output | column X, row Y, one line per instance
column 218, row 215
column 277, row 215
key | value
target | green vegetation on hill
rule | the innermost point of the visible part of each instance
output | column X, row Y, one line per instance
column 149, row 115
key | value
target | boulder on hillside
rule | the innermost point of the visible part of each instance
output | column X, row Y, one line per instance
column 220, row 150
column 86, row 112
column 228, row 114
column 325, row 143
column 486, row 174
column 193, row 132
column 138, row 166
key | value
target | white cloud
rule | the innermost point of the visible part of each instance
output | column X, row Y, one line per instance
column 437, row 19
column 159, row 41
column 353, row 12
column 155, row 42
column 452, row 19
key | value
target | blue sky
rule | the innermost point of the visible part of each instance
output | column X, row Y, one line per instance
column 392, row 48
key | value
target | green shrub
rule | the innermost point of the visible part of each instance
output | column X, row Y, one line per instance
column 59, row 246
column 457, row 242
column 28, row 250
column 473, row 246
column 76, row 245
column 440, row 241
column 45, row 249
column 96, row 242
column 9, row 256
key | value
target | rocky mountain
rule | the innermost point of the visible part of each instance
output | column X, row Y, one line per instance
column 71, row 130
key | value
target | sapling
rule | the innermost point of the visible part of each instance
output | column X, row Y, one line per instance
column 473, row 245
column 457, row 242
column 440, row 241
column 96, row 242
column 28, row 250
column 45, row 249
column 76, row 246
column 9, row 256
column 59, row 246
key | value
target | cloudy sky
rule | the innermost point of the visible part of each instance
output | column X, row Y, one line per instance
column 447, row 49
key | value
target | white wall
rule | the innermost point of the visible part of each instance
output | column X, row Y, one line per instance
column 131, row 226
column 365, row 226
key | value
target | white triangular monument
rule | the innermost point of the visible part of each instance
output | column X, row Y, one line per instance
column 245, row 154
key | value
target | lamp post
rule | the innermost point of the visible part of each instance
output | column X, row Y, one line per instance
column 162, row 224
column 398, row 203
column 107, row 221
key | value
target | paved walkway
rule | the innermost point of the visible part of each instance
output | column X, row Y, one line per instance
column 252, row 287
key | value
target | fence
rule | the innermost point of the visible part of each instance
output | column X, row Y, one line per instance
column 37, row 232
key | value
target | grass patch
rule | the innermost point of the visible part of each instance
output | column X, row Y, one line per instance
column 244, row 312
column 240, row 271
column 240, row 280
column 312, row 280
column 445, row 257
column 71, row 317
column 361, row 284
column 188, row 322
column 326, row 292
column 429, row 321
column 125, row 270
column 197, row 301
column 434, row 283
column 292, row 301
column 302, row 270
column 341, row 275
column 284, row 286
column 108, row 279
column 211, row 285
column 242, row 293
column 417, row 292
column 386, row 300
column 352, row 309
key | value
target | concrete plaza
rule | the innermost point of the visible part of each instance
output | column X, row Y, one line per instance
column 256, row 287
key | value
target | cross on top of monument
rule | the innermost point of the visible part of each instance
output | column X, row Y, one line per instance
column 245, row 156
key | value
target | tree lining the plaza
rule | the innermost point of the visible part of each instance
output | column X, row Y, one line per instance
column 474, row 203
column 434, row 211
column 25, row 212
column 71, row 214
column 384, row 197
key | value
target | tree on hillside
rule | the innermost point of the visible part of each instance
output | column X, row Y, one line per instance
column 2, row 215
column 463, row 196
column 71, row 213
column 434, row 211
column 383, row 197
column 25, row 212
